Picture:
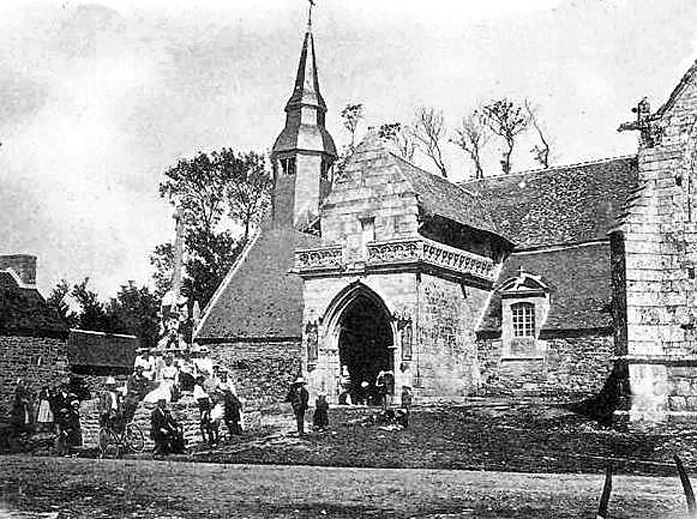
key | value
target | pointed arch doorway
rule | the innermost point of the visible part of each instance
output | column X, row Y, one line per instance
column 363, row 334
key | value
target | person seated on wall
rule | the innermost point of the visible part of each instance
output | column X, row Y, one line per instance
column 170, row 375
column 165, row 431
column 69, row 430
column 187, row 372
column 233, row 412
column 137, row 386
column 225, row 381
column 146, row 359
column 202, row 361
column 111, row 407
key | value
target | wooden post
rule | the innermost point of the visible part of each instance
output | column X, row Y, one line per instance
column 687, row 488
column 605, row 496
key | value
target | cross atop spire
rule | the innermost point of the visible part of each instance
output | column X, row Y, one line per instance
column 309, row 14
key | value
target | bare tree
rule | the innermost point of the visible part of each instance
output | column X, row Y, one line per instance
column 352, row 115
column 401, row 136
column 472, row 136
column 507, row 120
column 429, row 131
column 540, row 151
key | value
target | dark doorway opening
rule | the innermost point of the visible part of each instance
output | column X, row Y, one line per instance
column 365, row 346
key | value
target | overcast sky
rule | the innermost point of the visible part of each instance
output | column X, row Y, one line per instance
column 98, row 98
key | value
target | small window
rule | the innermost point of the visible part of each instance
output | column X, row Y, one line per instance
column 367, row 234
column 288, row 166
column 523, row 316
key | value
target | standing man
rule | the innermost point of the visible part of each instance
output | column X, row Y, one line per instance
column 298, row 398
column 110, row 406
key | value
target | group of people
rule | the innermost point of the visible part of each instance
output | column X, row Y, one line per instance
column 164, row 379
column 381, row 392
column 53, row 410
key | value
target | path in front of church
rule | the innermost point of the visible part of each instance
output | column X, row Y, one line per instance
column 77, row 488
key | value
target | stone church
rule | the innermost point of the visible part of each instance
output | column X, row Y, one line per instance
column 562, row 282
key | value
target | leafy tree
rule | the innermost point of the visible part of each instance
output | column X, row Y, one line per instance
column 92, row 314
column 429, row 131
column 401, row 136
column 507, row 120
column 249, row 195
column 351, row 115
column 212, row 191
column 135, row 311
column 471, row 136
column 541, row 152
column 57, row 301
column 162, row 261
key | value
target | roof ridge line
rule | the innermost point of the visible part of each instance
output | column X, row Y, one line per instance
column 545, row 170
column 445, row 179
column 95, row 332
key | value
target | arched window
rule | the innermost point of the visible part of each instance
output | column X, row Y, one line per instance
column 523, row 317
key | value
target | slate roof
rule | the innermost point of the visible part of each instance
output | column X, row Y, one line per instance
column 101, row 350
column 564, row 205
column 24, row 311
column 579, row 285
column 441, row 197
column 260, row 298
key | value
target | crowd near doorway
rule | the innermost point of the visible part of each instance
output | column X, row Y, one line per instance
column 365, row 345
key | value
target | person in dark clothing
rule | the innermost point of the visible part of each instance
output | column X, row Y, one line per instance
column 137, row 386
column 165, row 431
column 233, row 413
column 320, row 419
column 298, row 398
column 21, row 410
column 69, row 430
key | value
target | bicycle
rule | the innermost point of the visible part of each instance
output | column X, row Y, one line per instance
column 113, row 444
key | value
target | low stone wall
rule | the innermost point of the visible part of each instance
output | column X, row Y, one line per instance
column 261, row 371
column 40, row 361
column 569, row 366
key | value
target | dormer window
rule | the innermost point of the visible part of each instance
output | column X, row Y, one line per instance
column 523, row 318
column 524, row 307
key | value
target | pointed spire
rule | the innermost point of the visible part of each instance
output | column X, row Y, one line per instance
column 306, row 91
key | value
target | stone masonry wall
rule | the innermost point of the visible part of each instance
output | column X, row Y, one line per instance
column 370, row 187
column 570, row 367
column 660, row 243
column 446, row 351
column 261, row 371
column 39, row 361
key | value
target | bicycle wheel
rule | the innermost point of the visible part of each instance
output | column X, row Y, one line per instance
column 133, row 438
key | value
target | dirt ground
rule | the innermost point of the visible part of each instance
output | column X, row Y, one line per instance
column 89, row 488
column 530, row 437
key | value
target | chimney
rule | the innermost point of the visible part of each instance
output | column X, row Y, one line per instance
column 24, row 266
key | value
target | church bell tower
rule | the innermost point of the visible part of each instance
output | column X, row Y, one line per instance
column 304, row 152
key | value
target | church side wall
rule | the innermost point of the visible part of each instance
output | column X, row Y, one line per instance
column 39, row 361
column 262, row 371
column 570, row 367
column 446, row 349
